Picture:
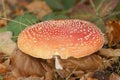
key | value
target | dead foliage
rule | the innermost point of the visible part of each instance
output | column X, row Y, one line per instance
column 112, row 32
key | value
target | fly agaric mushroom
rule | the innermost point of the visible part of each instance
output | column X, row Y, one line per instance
column 64, row 38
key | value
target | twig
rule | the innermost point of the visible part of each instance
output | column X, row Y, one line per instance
column 93, row 6
column 14, row 37
column 72, row 72
column 100, row 5
column 112, row 14
column 14, row 21
column 4, row 9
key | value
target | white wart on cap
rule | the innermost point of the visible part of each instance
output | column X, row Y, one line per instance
column 66, row 38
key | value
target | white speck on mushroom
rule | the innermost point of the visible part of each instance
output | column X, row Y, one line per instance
column 88, row 30
column 63, row 49
column 93, row 38
column 82, row 44
column 71, row 31
column 86, row 37
column 78, row 39
column 71, row 44
column 84, row 30
column 71, row 36
column 77, row 44
column 35, row 41
column 75, row 30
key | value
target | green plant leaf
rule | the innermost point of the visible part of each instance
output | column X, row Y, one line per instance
column 1, row 78
column 117, row 9
column 55, row 4
column 68, row 3
column 96, row 2
column 100, row 23
column 54, row 16
column 3, row 29
column 20, row 22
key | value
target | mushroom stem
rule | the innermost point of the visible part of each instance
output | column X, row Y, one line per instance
column 57, row 63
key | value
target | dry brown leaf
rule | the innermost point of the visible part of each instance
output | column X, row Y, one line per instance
column 89, row 63
column 24, row 65
column 32, row 78
column 9, row 76
column 40, row 8
column 114, row 76
column 18, row 11
column 3, row 69
column 91, row 79
column 110, row 52
column 78, row 67
column 4, row 11
column 72, row 78
column 23, row 3
column 12, row 2
column 113, row 32
column 3, row 23
column 7, row 46
column 101, row 75
column 49, row 75
column 2, row 57
column 79, row 73
column 87, row 76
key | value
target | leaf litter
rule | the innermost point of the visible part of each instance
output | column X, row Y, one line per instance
column 102, row 65
column 6, row 44
column 27, row 66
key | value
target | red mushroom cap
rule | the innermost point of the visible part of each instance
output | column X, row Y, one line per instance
column 66, row 38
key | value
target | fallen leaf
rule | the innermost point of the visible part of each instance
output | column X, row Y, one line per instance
column 40, row 8
column 18, row 11
column 9, row 76
column 114, row 76
column 79, row 73
column 101, row 75
column 87, row 76
column 3, row 69
column 91, row 79
column 82, row 11
column 2, row 57
column 3, row 23
column 23, row 3
column 49, row 75
column 95, row 63
column 112, row 32
column 110, row 52
column 4, row 11
column 12, row 2
column 24, row 65
column 78, row 67
column 32, row 78
column 7, row 46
